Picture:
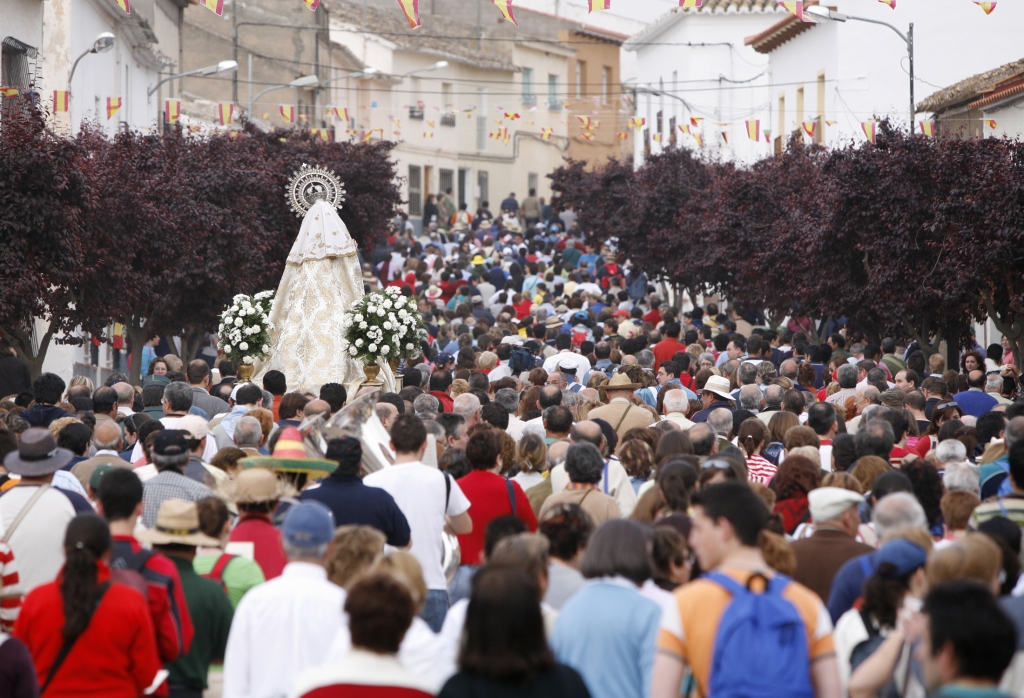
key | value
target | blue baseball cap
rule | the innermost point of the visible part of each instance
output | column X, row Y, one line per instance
column 308, row 525
column 902, row 554
column 442, row 358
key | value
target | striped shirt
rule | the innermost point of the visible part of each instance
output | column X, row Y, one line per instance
column 760, row 469
column 10, row 589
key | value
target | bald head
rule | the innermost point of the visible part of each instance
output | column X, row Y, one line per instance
column 315, row 407
column 586, row 432
column 628, row 360
column 125, row 394
column 788, row 369
column 751, row 398
column 773, row 395
column 976, row 379
column 248, row 432
column 107, row 436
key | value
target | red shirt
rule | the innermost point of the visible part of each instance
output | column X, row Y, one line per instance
column 268, row 550
column 116, row 656
column 653, row 317
column 447, row 404
column 277, row 406
column 488, row 496
column 666, row 349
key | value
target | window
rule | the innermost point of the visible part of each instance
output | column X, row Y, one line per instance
column 447, row 180
column 448, row 119
column 554, row 101
column 581, row 79
column 531, row 181
column 415, row 191
column 528, row 96
column 481, row 120
column 606, row 78
column 658, row 123
column 16, row 63
column 446, row 95
column 481, row 186
column 416, row 111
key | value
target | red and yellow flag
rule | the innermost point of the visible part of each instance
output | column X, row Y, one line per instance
column 323, row 134
column 656, row 137
column 312, row 4
column 589, row 137
column 890, row 3
column 340, row 112
column 428, row 134
column 172, row 110
column 505, row 7
column 690, row 3
column 226, row 111
column 598, row 5
column 928, row 128
column 303, row 118
column 637, row 122
column 430, row 124
column 366, row 135
column 725, row 137
column 870, row 129
column 831, row 122
column 124, row 5
column 216, row 6
column 695, row 121
column 511, row 115
column 986, row 6
column 700, row 140
column 503, row 132
column 584, row 121
column 60, row 101
column 546, row 133
column 685, row 128
column 494, row 135
column 809, row 128
column 411, row 10
column 622, row 135
column 991, row 123
column 754, row 129
column 287, row 113
column 9, row 91
column 796, row 8
column 113, row 104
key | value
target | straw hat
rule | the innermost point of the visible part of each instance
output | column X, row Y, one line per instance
column 620, row 381
column 433, row 292
column 176, row 522
column 554, row 322
column 718, row 385
column 255, row 486
column 289, row 456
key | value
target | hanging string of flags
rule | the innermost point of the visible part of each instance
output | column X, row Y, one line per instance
column 113, row 105
column 172, row 110
column 9, row 92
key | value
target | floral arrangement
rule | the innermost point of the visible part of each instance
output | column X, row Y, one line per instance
column 382, row 324
column 245, row 328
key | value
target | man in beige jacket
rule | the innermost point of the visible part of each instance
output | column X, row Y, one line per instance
column 620, row 411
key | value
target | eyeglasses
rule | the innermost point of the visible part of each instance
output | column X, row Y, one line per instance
column 944, row 405
column 718, row 463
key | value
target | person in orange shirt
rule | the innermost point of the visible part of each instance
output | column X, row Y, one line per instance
column 727, row 520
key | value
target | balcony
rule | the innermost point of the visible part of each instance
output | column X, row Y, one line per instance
column 416, row 113
column 448, row 119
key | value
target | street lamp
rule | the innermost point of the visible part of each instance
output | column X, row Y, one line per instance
column 219, row 69
column 435, row 66
column 908, row 38
column 304, row 81
column 103, row 43
column 358, row 74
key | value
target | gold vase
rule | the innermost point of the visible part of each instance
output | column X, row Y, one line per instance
column 244, row 372
column 393, row 363
column 371, row 370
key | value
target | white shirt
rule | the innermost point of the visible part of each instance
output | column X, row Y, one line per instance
column 581, row 362
column 619, row 487
column 281, row 628
column 532, row 426
column 209, row 451
column 38, row 542
column 515, row 427
column 589, row 287
column 500, row 371
column 419, row 491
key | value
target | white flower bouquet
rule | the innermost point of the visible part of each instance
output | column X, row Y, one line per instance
column 245, row 328
column 383, row 324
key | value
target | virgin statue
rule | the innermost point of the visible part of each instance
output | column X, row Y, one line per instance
column 322, row 279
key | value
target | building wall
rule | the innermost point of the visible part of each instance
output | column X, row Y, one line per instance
column 588, row 95
column 22, row 20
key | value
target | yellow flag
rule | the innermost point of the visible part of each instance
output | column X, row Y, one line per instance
column 754, row 129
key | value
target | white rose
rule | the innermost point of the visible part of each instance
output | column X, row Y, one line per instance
column 372, row 348
column 255, row 329
column 362, row 325
column 227, row 348
column 380, row 312
column 234, row 309
column 384, row 350
column 238, row 322
column 353, row 351
column 248, row 360
column 359, row 318
column 387, row 325
column 409, row 346
column 387, row 304
column 266, row 349
column 244, row 346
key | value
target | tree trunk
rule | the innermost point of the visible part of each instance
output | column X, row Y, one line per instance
column 21, row 342
column 137, row 334
column 921, row 334
column 190, row 347
column 1014, row 331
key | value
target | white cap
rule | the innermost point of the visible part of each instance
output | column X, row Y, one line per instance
column 194, row 425
column 829, row 502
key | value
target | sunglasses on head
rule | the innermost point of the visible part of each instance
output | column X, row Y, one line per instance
column 718, row 463
column 944, row 405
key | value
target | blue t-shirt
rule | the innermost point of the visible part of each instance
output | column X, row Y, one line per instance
column 355, row 503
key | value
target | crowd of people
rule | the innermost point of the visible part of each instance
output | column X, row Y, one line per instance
column 587, row 492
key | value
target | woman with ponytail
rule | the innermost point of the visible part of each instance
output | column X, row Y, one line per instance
column 88, row 636
column 752, row 437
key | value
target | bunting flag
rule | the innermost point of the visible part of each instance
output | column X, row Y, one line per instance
column 986, row 6
column 172, row 110
column 598, row 5
column 505, row 7
column 430, row 124
column 622, row 135
column 831, row 123
column 511, row 116
column 340, row 112
column 690, row 3
column 60, row 101
column 287, row 113
column 225, row 110
column 991, row 123
column 411, row 10
column 265, row 115
column 428, row 134
column 809, row 128
column 545, row 134
column 350, row 131
column 796, row 8
column 656, row 138
column 323, row 134
column 584, row 121
column 505, row 136
column 216, row 6
column 124, row 5
column 303, row 118
column 869, row 128
column 312, row 4
column 589, row 137
column 767, row 135
column 637, row 122
column 113, row 104
column 695, row 121
column 700, row 140
column 754, row 129
column 366, row 136
column 9, row 92
column 890, row 3
column 928, row 128
column 684, row 128
column 725, row 137
column 494, row 134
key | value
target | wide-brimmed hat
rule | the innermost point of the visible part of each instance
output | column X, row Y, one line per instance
column 620, row 381
column 177, row 521
column 478, row 260
column 290, row 456
column 718, row 385
column 255, row 486
column 553, row 322
column 37, row 454
column 433, row 292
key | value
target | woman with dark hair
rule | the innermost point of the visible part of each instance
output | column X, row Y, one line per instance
column 971, row 361
column 504, row 652
column 752, row 437
column 638, row 460
column 795, row 478
column 89, row 636
column 670, row 558
column 944, row 411
column 671, row 444
column 929, row 490
column 607, row 631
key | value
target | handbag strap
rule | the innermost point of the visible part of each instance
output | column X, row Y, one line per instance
column 623, row 418
column 24, row 511
column 511, row 496
column 69, row 642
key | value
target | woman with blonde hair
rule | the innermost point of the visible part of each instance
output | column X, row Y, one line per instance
column 637, row 458
column 531, row 459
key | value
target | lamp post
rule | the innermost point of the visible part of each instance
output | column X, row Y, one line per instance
column 304, row 81
column 435, row 66
column 219, row 69
column 908, row 39
column 103, row 43
column 358, row 74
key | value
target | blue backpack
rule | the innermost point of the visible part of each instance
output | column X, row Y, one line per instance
column 761, row 646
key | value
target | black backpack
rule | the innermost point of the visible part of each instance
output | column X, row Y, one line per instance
column 521, row 360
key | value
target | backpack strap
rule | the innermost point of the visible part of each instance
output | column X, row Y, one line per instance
column 65, row 649
column 217, row 573
column 511, row 496
column 605, row 474
column 24, row 512
column 773, row 585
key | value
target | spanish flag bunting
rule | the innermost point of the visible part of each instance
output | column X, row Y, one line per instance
column 796, row 8
column 494, row 134
column 589, row 137
column 991, row 123
column 124, row 5
column 113, row 104
column 428, row 134
column 226, row 111
column 754, row 129
column 216, row 6
column 505, row 7
column 685, row 128
column 511, row 115
column 287, row 113
column 690, row 3
column 350, row 131
column 565, row 105
column 986, row 6
column 303, row 118
column 831, row 122
column 9, row 91
column 584, row 121
column 411, row 10
column 321, row 133
column 598, row 5
column 725, row 137
column 622, row 135
column 172, row 110
column 810, row 127
column 928, row 128
column 695, row 121
column 340, row 112
column 767, row 135
column 265, row 115
column 890, row 3
column 545, row 134
column 312, row 4
column 637, row 122
column 60, row 101
column 194, row 128
column 430, row 124
column 366, row 136
column 869, row 128
column 700, row 140
column 656, row 137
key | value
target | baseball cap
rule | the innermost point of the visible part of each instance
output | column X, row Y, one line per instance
column 580, row 316
column 828, row 502
column 902, row 554
column 308, row 525
column 442, row 358
column 195, row 425
column 97, row 474
column 170, row 442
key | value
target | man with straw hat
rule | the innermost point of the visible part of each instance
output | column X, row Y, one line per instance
column 620, row 411
column 256, row 492
column 176, row 535
column 713, row 395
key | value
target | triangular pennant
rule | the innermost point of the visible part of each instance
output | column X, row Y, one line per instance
column 216, row 6
column 870, row 129
column 113, row 105
column 411, row 10
column 505, row 7
column 809, row 128
column 986, row 6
